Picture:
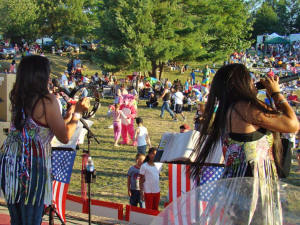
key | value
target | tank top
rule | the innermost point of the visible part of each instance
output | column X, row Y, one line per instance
column 141, row 138
column 25, row 164
column 247, row 154
column 167, row 96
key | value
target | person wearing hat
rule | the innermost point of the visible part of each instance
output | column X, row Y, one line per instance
column 184, row 128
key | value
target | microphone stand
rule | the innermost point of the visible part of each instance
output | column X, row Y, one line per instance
column 89, row 176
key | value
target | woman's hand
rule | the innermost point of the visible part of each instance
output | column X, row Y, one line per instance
column 271, row 84
column 69, row 113
column 82, row 105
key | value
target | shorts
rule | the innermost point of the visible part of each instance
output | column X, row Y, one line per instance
column 142, row 149
column 178, row 108
column 298, row 151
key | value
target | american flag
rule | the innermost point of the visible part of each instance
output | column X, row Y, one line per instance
column 185, row 210
column 62, row 164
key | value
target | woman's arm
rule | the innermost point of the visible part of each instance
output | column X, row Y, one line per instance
column 136, row 133
column 142, row 181
column 148, row 140
column 285, row 122
column 128, row 186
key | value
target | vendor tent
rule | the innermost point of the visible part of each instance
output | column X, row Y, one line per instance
column 277, row 40
column 271, row 36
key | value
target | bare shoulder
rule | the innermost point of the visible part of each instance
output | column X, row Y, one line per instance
column 50, row 99
column 248, row 108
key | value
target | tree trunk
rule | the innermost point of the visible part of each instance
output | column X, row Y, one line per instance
column 153, row 71
column 161, row 68
column 137, row 82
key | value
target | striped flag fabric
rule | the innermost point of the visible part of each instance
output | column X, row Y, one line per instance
column 62, row 165
column 180, row 180
column 185, row 210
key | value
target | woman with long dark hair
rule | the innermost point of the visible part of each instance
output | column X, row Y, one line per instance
column 247, row 127
column 25, row 157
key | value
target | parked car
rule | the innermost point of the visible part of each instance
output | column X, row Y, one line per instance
column 70, row 47
column 7, row 53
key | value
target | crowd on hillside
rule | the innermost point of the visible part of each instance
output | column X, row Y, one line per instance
column 281, row 59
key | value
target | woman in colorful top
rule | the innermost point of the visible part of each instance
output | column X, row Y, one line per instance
column 249, row 130
column 25, row 157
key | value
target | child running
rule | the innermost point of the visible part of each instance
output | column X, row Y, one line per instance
column 117, row 114
column 149, row 181
column 133, row 184
column 141, row 136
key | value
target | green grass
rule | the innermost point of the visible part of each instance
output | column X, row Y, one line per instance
column 112, row 163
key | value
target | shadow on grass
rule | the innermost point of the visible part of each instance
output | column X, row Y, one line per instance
column 113, row 158
column 104, row 173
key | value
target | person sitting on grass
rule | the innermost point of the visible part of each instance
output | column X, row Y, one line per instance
column 141, row 136
column 133, row 185
column 152, row 103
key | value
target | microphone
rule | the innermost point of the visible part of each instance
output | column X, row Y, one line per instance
column 282, row 80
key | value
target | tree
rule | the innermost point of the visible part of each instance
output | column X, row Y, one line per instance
column 18, row 19
column 296, row 26
column 124, row 33
column 174, row 36
column 64, row 18
column 294, row 19
column 278, row 16
column 266, row 21
column 139, row 35
column 224, row 26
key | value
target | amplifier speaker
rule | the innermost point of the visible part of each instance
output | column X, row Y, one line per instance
column 6, row 84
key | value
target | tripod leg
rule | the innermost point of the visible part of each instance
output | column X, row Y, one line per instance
column 53, row 211
column 51, row 216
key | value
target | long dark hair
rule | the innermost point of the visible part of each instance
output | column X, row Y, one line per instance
column 231, row 84
column 31, row 85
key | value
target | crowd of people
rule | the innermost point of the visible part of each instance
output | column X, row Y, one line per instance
column 226, row 107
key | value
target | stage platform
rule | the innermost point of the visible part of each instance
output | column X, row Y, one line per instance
column 72, row 218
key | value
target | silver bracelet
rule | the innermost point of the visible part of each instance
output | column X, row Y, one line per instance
column 282, row 101
column 77, row 116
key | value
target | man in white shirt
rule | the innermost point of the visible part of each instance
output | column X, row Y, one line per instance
column 64, row 79
column 178, row 98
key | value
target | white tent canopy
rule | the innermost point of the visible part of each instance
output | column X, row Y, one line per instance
column 271, row 36
column 294, row 37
